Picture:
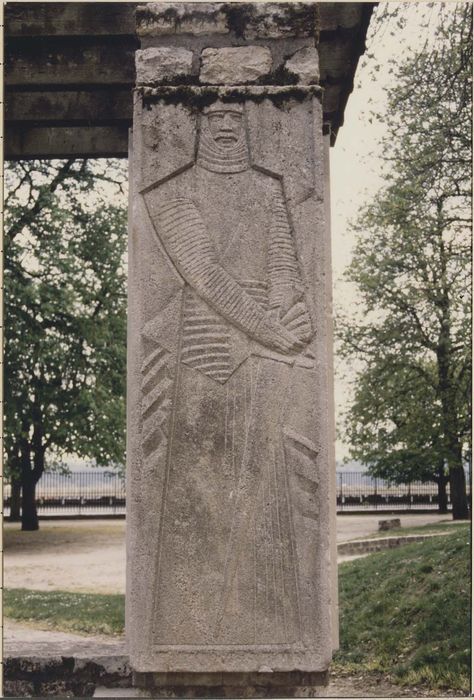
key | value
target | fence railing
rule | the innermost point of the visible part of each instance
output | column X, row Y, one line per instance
column 77, row 493
column 102, row 492
column 359, row 491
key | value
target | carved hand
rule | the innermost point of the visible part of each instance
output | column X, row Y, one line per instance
column 273, row 334
column 297, row 320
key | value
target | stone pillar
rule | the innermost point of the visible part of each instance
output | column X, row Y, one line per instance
column 229, row 485
column 331, row 402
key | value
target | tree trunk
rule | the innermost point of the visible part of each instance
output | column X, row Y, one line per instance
column 447, row 388
column 442, row 495
column 457, row 482
column 32, row 468
column 29, row 514
column 15, row 500
column 442, row 481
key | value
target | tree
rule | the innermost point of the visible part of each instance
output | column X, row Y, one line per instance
column 65, row 310
column 394, row 426
column 410, row 339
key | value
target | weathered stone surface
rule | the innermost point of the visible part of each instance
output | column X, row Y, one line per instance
column 18, row 689
column 229, row 571
column 78, row 671
column 275, row 20
column 163, row 18
column 260, row 20
column 228, row 479
column 155, row 65
column 305, row 65
column 390, row 524
column 380, row 543
column 235, row 65
column 264, row 684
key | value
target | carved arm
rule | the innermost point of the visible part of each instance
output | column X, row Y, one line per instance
column 286, row 292
column 185, row 239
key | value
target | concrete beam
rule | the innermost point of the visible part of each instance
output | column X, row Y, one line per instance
column 64, row 142
column 84, row 61
column 74, row 107
column 117, row 18
column 47, row 19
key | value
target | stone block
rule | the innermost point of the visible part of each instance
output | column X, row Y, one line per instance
column 278, row 20
column 305, row 65
column 390, row 524
column 165, row 18
column 247, row 21
column 235, row 65
column 157, row 65
column 231, row 685
column 18, row 688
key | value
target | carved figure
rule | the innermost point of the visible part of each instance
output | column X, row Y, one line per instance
column 216, row 377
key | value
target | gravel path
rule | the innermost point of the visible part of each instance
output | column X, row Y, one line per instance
column 89, row 555
column 76, row 555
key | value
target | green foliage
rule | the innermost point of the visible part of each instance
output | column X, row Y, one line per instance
column 87, row 613
column 65, row 309
column 395, row 422
column 405, row 613
column 409, row 338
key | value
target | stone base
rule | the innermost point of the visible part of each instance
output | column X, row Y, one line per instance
column 231, row 685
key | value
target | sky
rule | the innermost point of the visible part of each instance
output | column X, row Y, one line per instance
column 355, row 159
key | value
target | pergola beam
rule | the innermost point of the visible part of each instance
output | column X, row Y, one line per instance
column 70, row 66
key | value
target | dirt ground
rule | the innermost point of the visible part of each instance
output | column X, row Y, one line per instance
column 353, row 527
column 89, row 555
column 79, row 555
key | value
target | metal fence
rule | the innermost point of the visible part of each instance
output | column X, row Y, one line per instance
column 102, row 492
column 77, row 493
column 359, row 491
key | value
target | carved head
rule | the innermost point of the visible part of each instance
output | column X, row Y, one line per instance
column 225, row 123
column 222, row 139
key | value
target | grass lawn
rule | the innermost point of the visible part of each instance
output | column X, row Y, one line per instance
column 405, row 613
column 86, row 613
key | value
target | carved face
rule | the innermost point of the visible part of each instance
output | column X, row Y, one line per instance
column 225, row 127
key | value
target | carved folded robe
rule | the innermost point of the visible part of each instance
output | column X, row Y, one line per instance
column 214, row 409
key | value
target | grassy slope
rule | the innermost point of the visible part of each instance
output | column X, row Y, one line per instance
column 406, row 613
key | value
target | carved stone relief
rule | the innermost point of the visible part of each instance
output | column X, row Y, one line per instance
column 230, row 409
